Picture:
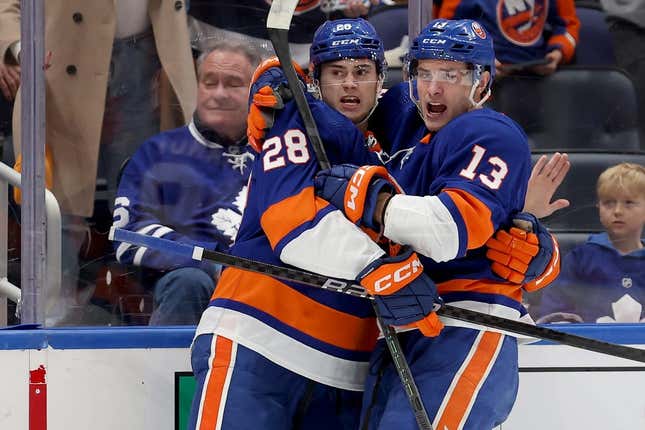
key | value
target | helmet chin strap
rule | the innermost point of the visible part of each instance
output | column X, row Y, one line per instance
column 379, row 87
column 471, row 96
column 415, row 101
column 314, row 89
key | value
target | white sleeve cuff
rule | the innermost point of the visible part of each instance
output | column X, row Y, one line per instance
column 424, row 223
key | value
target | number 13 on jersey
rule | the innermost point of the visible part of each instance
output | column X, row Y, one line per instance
column 492, row 179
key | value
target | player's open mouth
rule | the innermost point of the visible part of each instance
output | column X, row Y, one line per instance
column 350, row 100
column 436, row 108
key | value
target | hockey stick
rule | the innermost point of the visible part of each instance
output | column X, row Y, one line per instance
column 350, row 288
column 278, row 23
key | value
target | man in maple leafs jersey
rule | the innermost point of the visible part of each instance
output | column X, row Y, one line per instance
column 189, row 185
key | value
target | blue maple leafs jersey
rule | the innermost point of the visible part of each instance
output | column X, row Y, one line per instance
column 181, row 187
column 472, row 176
column 597, row 285
column 323, row 335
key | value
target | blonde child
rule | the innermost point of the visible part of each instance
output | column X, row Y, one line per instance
column 603, row 280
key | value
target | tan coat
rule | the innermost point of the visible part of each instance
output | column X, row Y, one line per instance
column 76, row 101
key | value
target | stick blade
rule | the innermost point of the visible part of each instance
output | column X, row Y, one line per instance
column 281, row 13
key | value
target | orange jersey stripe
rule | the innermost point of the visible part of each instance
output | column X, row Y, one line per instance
column 512, row 291
column 469, row 380
column 568, row 49
column 297, row 310
column 448, row 8
column 283, row 217
column 476, row 216
column 567, row 11
column 215, row 384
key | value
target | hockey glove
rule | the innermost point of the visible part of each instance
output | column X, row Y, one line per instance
column 526, row 254
column 403, row 293
column 269, row 92
column 355, row 190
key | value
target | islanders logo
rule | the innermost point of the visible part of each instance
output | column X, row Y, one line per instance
column 522, row 21
column 479, row 30
column 303, row 5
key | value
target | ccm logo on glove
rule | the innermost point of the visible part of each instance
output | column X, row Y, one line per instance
column 354, row 188
column 385, row 278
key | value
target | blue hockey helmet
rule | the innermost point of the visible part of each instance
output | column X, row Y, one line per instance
column 346, row 38
column 461, row 40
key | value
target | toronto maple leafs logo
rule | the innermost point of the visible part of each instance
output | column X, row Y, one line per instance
column 625, row 310
column 228, row 220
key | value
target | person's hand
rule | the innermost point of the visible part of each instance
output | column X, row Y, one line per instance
column 554, row 58
column 357, row 191
column 403, row 293
column 9, row 80
column 269, row 92
column 545, row 179
column 356, row 8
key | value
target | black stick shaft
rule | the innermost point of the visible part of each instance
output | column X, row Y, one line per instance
column 350, row 288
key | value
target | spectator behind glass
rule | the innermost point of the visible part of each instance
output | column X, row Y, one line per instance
column 603, row 280
column 189, row 185
column 523, row 32
column 106, row 94
column 626, row 20
column 9, row 82
column 213, row 20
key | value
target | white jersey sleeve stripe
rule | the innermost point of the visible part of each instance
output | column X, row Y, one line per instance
column 341, row 250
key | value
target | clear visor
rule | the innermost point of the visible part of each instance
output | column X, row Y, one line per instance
column 461, row 76
column 348, row 71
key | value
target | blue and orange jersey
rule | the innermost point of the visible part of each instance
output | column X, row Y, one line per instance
column 472, row 177
column 322, row 335
column 522, row 30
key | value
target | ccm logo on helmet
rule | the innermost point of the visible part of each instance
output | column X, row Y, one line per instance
column 434, row 41
column 345, row 42
column 399, row 275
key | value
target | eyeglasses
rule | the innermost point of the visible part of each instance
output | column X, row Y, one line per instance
column 451, row 76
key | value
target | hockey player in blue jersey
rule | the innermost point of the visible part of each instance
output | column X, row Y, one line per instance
column 357, row 81
column 464, row 169
column 279, row 355
column 189, row 185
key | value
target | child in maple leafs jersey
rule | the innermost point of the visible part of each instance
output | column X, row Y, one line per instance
column 603, row 280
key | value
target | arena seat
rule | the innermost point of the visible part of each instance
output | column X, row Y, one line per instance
column 391, row 23
column 579, row 187
column 567, row 240
column 594, row 46
column 576, row 108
